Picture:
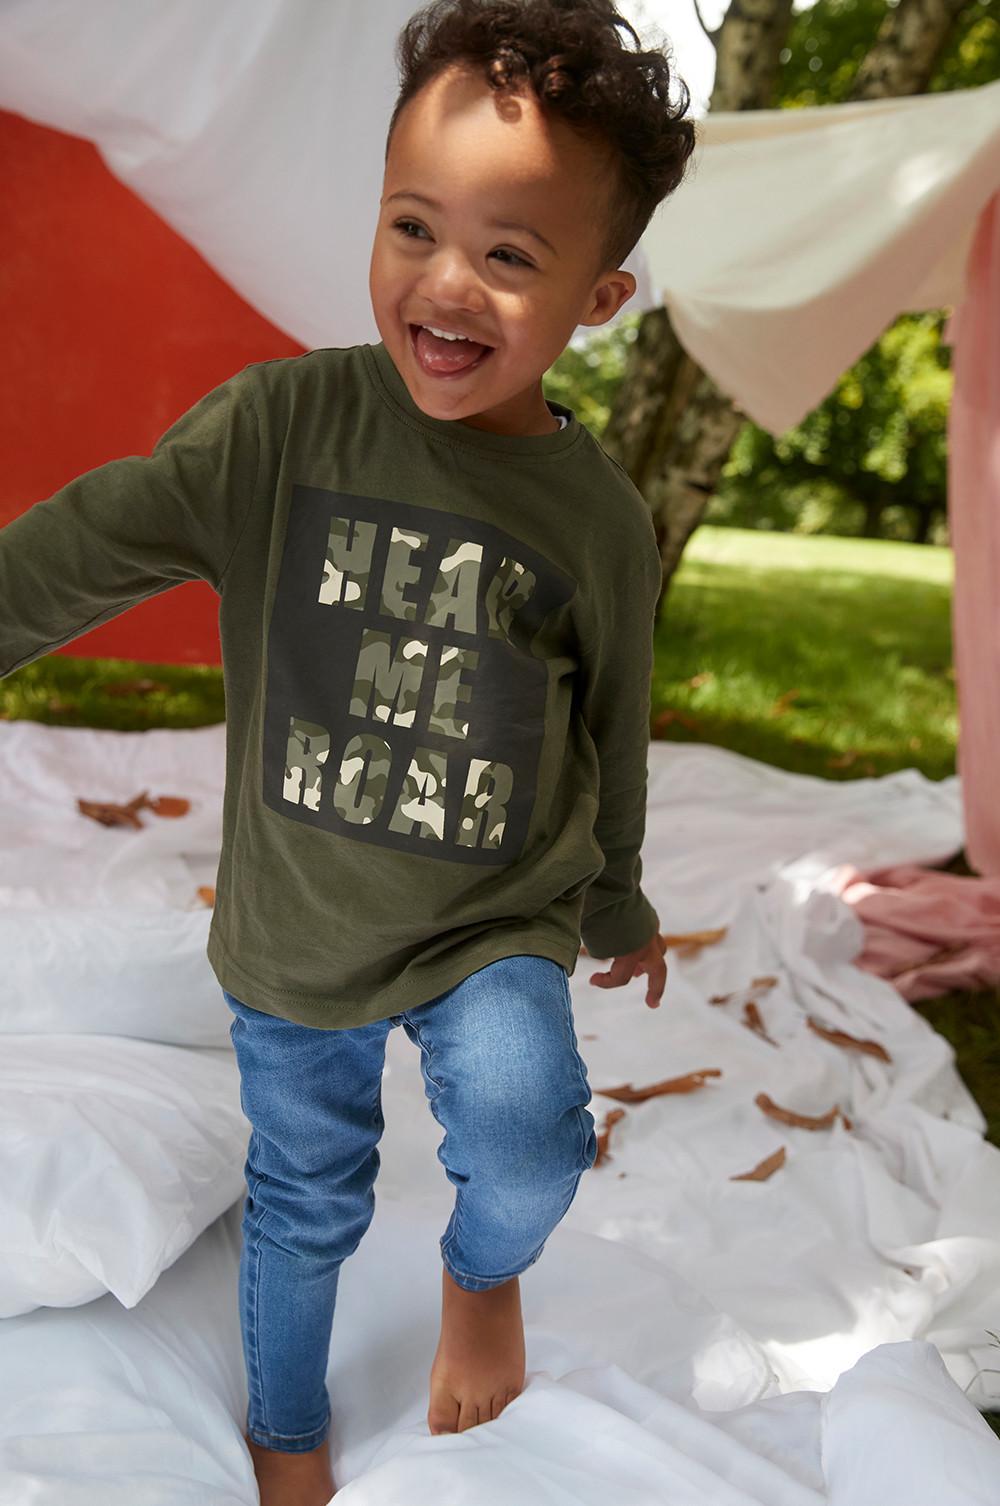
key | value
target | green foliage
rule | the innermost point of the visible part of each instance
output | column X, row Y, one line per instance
column 827, row 42
column 586, row 375
column 871, row 459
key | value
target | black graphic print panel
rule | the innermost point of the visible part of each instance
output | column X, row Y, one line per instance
column 403, row 705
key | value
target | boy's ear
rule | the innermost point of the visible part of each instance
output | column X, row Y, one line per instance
column 614, row 289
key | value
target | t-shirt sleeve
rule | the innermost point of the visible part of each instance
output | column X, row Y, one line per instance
column 617, row 665
column 132, row 528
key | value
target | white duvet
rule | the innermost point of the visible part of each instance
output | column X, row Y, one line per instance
column 824, row 1335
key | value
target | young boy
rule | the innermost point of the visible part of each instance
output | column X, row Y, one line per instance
column 437, row 595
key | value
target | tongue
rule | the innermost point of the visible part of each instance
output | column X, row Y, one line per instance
column 447, row 355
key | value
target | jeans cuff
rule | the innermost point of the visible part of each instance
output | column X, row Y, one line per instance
column 291, row 1443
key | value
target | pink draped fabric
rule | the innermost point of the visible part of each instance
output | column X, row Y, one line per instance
column 974, row 519
column 926, row 931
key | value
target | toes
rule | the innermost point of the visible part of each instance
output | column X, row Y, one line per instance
column 468, row 1416
column 443, row 1416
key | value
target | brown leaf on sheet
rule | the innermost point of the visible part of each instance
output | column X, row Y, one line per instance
column 604, row 1135
column 841, row 1038
column 108, row 813
column 753, row 1021
column 169, row 805
column 800, row 1121
column 142, row 686
column 763, row 1169
column 757, row 986
column 689, row 1083
column 207, row 894
column 690, row 943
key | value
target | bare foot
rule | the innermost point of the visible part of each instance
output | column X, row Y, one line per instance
column 479, row 1365
column 285, row 1479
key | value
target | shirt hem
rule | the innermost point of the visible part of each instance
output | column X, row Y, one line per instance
column 328, row 1014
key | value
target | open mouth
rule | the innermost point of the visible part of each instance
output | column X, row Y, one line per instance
column 438, row 357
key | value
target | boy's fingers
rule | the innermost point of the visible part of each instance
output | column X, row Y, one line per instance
column 619, row 972
column 657, row 983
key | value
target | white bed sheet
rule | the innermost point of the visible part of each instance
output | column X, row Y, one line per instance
column 800, row 1340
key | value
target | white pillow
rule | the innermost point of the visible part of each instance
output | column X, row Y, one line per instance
column 115, row 1155
column 111, row 970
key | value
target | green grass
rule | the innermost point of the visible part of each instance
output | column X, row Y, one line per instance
column 858, row 629
column 854, row 634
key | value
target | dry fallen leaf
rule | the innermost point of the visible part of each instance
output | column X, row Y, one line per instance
column 800, row 1121
column 689, row 1083
column 109, row 813
column 206, row 893
column 753, row 1021
column 757, row 986
column 764, row 1168
column 604, row 1135
column 841, row 1038
column 169, row 805
column 690, row 943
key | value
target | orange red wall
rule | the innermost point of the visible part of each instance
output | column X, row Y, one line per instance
column 112, row 327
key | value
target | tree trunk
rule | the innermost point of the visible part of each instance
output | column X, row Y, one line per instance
column 670, row 426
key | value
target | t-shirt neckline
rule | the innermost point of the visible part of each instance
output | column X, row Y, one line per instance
column 388, row 380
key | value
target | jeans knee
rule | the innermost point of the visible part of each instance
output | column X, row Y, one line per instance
column 540, row 1147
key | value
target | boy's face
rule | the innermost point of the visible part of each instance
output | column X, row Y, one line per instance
column 449, row 265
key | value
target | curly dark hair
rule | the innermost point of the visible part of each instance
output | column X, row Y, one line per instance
column 571, row 55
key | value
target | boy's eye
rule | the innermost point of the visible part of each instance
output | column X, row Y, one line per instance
column 403, row 225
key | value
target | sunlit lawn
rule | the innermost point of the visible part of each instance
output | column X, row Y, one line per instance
column 825, row 656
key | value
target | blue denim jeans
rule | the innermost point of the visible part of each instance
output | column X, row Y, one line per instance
column 504, row 1079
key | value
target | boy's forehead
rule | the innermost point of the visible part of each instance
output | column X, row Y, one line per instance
column 456, row 141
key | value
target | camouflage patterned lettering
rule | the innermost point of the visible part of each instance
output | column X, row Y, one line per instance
column 308, row 747
column 388, row 681
column 348, row 563
column 420, row 808
column 484, row 804
column 361, row 783
column 449, row 690
column 508, row 591
column 400, row 570
column 422, row 707
column 456, row 590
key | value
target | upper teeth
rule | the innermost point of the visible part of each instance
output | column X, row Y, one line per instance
column 445, row 334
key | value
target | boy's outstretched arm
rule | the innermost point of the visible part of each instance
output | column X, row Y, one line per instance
column 618, row 920
column 131, row 528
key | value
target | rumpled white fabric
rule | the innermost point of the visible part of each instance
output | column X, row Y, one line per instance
column 100, row 1406
column 114, row 1156
column 822, row 1336
column 256, row 129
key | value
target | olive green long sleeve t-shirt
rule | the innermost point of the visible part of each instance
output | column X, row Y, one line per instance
column 437, row 653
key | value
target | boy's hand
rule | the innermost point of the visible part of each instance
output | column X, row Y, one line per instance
column 648, row 959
